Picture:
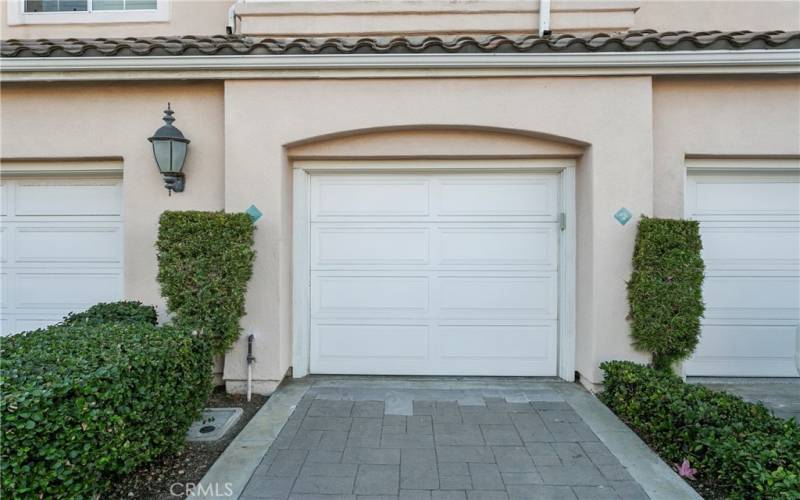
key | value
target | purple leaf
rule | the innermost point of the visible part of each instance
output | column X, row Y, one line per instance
column 685, row 470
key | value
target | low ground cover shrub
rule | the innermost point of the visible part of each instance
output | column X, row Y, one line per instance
column 129, row 311
column 83, row 403
column 665, row 289
column 739, row 449
column 205, row 260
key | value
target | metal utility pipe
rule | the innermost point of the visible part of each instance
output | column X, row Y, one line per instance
column 544, row 18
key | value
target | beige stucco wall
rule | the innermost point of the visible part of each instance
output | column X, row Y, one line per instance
column 85, row 121
column 630, row 135
column 187, row 17
column 721, row 117
column 723, row 15
column 612, row 115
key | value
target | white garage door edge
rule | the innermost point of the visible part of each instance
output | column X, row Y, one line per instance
column 699, row 166
column 301, row 244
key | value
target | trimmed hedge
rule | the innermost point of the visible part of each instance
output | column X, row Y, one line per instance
column 665, row 291
column 81, row 404
column 114, row 312
column 738, row 448
column 205, row 260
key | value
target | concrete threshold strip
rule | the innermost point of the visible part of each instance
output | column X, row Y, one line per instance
column 229, row 475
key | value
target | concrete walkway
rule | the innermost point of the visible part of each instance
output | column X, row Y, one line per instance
column 439, row 439
column 781, row 395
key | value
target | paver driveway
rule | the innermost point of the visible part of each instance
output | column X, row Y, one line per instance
column 481, row 443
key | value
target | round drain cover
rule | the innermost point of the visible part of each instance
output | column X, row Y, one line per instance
column 206, row 429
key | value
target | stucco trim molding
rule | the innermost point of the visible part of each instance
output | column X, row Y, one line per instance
column 784, row 61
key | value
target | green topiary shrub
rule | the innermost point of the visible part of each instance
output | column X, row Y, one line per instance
column 738, row 448
column 665, row 290
column 114, row 312
column 81, row 404
column 205, row 260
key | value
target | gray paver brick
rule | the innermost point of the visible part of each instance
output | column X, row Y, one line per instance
column 333, row 470
column 455, row 482
column 566, row 415
column 595, row 492
column 550, row 405
column 629, row 490
column 331, row 485
column 415, row 495
column 487, row 495
column 453, row 468
column 418, row 469
column 571, row 475
column 615, row 472
column 326, row 424
column 423, row 408
column 333, row 440
column 599, row 454
column 543, row 453
column 268, row 487
column 503, row 435
column 368, row 409
column 324, row 456
column 420, row 424
column 379, row 456
column 521, row 478
column 571, row 453
column 480, row 454
column 326, row 408
column 531, row 427
column 448, row 495
column 306, row 440
column 457, row 434
column 540, row 492
column 486, row 477
column 377, row 479
column 407, row 440
column 311, row 496
column 513, row 459
column 485, row 417
column 285, row 467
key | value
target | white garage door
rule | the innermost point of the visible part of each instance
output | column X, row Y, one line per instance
column 750, row 224
column 61, row 248
column 434, row 274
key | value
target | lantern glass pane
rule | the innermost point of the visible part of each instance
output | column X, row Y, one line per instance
column 163, row 153
column 178, row 155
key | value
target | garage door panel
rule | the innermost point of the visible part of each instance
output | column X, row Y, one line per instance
column 498, row 296
column 490, row 245
column 752, row 297
column 434, row 274
column 355, row 296
column 734, row 197
column 750, row 246
column 4, row 193
column 371, row 196
column 64, row 290
column 76, row 244
column 750, row 225
column 730, row 349
column 498, row 196
column 62, row 248
column 355, row 246
column 67, row 197
column 4, row 243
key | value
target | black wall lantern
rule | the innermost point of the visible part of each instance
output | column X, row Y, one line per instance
column 169, row 148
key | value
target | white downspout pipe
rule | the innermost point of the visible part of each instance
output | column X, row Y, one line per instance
column 231, row 27
column 544, row 18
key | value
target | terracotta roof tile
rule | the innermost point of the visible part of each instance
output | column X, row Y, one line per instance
column 630, row 41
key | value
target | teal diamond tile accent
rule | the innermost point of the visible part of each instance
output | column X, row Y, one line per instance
column 254, row 213
column 623, row 215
